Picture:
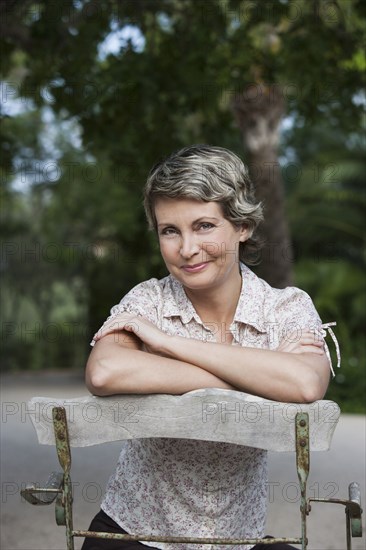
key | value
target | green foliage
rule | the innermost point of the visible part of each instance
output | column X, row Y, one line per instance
column 339, row 292
column 326, row 206
column 83, row 128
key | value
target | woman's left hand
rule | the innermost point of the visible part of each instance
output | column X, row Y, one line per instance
column 147, row 332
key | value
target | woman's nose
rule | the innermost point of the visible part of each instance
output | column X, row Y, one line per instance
column 189, row 246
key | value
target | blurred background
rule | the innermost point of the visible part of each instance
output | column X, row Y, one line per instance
column 94, row 93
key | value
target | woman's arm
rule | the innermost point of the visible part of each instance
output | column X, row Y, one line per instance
column 298, row 372
column 117, row 365
column 279, row 375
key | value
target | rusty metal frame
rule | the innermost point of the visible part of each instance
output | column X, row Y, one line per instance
column 59, row 486
column 302, row 466
column 352, row 508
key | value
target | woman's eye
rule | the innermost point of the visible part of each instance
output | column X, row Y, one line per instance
column 206, row 225
column 169, row 231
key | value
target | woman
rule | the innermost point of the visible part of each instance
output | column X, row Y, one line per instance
column 210, row 323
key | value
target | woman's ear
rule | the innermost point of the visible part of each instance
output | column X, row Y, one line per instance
column 245, row 233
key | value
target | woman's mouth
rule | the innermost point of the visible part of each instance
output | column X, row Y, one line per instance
column 194, row 268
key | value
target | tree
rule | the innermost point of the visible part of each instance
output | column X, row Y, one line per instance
column 230, row 47
column 183, row 72
column 259, row 124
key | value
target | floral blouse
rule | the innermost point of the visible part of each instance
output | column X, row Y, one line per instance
column 192, row 488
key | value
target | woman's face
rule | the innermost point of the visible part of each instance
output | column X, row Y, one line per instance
column 199, row 246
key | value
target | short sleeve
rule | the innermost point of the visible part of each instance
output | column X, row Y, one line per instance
column 143, row 300
column 294, row 312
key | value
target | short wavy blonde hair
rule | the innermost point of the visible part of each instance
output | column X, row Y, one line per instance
column 207, row 173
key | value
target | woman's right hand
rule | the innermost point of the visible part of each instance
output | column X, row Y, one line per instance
column 305, row 342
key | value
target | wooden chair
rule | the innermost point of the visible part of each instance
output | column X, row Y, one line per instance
column 209, row 415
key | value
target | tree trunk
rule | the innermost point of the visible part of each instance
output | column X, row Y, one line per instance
column 258, row 115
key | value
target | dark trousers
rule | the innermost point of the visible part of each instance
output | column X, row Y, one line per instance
column 102, row 522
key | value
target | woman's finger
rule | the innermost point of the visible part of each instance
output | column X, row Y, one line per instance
column 120, row 322
column 311, row 341
column 306, row 338
column 301, row 347
column 311, row 349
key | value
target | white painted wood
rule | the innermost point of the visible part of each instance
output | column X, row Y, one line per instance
column 208, row 414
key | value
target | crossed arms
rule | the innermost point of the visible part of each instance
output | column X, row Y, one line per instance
column 132, row 355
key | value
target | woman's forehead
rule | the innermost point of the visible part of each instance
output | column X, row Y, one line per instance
column 168, row 208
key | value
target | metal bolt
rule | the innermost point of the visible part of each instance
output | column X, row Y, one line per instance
column 302, row 442
column 61, row 436
column 302, row 423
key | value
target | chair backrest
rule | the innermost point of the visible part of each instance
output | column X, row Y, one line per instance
column 208, row 414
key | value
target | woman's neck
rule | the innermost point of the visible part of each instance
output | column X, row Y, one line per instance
column 217, row 305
